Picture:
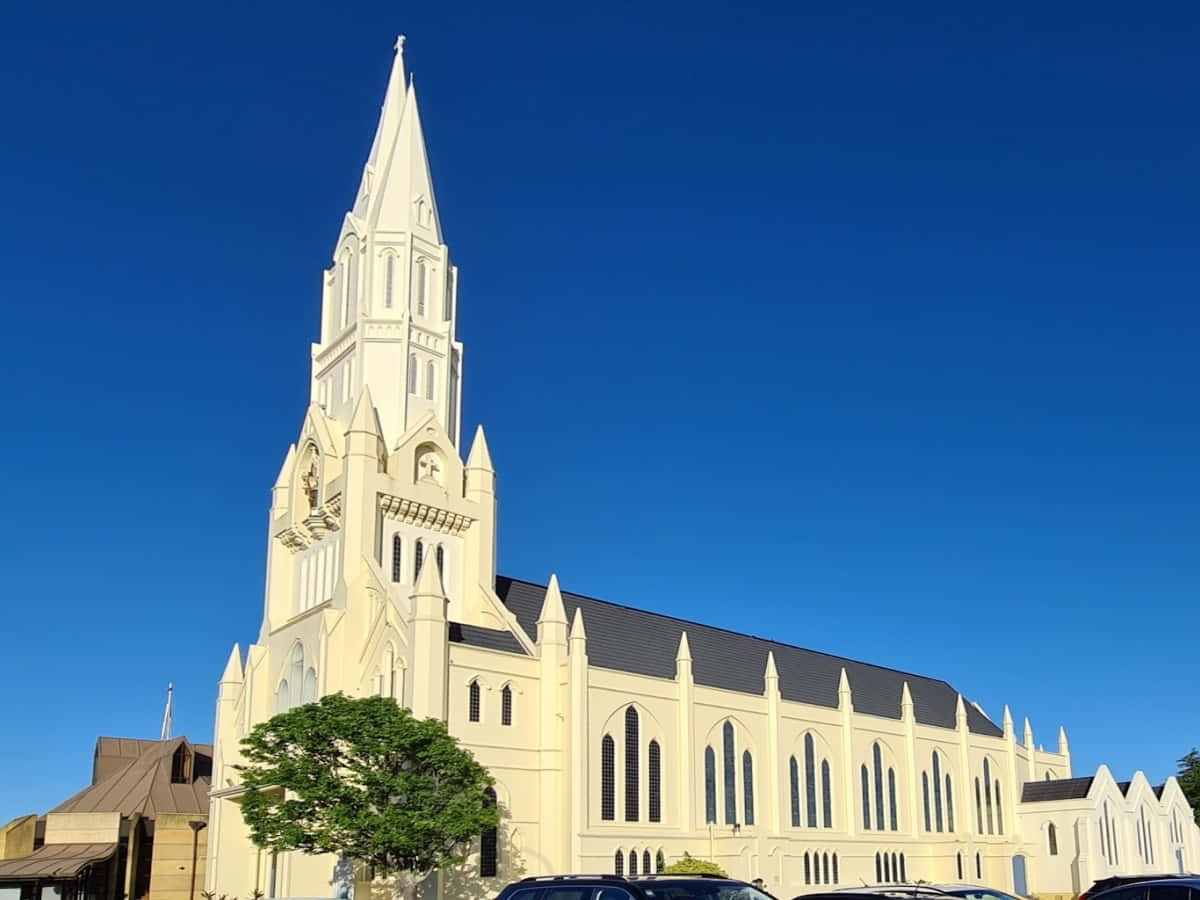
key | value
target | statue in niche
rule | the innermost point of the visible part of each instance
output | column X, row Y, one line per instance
column 429, row 467
column 310, row 481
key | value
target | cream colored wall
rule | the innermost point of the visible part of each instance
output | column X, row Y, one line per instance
column 171, row 863
column 83, row 828
column 16, row 838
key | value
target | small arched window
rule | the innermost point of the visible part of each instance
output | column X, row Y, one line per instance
column 835, row 869
column 794, row 773
column 949, row 804
column 473, row 701
column 397, row 558
column 866, row 799
column 748, row 786
column 418, row 558
column 654, row 775
column 903, row 873
column 646, row 870
column 978, row 866
column 958, row 862
column 710, row 786
column 412, row 373
column 618, row 863
column 631, row 768
column 310, row 686
column 878, row 869
column 489, row 849
column 660, row 862
column 390, row 271
column 505, row 704
column 807, row 870
column 892, row 818
column 999, row 810
column 925, row 798
column 441, row 560
column 825, row 868
column 283, row 697
column 810, row 782
column 826, row 795
column 730, row 776
column 1052, row 839
column 887, row 868
column 429, row 380
column 419, row 286
column 633, row 862
column 608, row 779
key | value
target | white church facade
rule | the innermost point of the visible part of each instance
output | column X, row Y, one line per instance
column 619, row 738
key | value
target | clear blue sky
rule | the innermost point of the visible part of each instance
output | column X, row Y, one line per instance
column 866, row 329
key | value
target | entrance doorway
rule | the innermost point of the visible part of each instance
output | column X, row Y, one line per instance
column 1020, row 886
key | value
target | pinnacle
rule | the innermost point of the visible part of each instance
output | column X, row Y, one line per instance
column 364, row 418
column 552, row 607
column 480, row 457
column 429, row 579
column 771, row 671
column 285, row 471
column 685, row 650
column 578, row 633
column 233, row 669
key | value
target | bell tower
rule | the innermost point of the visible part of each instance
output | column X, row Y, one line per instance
column 390, row 297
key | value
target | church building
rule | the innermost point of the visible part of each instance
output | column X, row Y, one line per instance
column 619, row 738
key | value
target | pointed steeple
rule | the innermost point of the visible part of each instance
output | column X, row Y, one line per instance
column 404, row 200
column 429, row 579
column 771, row 673
column 684, row 653
column 1063, row 747
column 1027, row 736
column 907, row 710
column 1007, row 721
column 364, row 418
column 233, row 673
column 285, row 471
column 553, row 610
column 480, row 457
column 960, row 714
column 389, row 123
column 578, row 632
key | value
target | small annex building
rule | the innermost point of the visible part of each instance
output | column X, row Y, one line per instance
column 138, row 831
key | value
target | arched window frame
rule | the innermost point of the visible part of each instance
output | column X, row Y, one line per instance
column 1052, row 839
column 474, row 702
column 660, row 861
column 297, row 675
column 633, row 863
column 999, row 809
column 835, row 868
column 309, row 693
column 949, row 804
column 794, row 777
column 418, row 558
column 420, row 279
column 440, row 554
column 877, row 759
column 489, row 845
column 646, row 864
column 412, row 374
column 389, row 278
column 710, row 786
column 632, row 786
column 827, row 796
column 866, row 798
column 748, row 787
column 654, row 781
column 618, row 863
column 810, row 781
column 925, row 800
column 506, row 700
column 987, row 796
column 893, row 806
column 729, row 773
column 430, row 380
column 807, row 869
column 397, row 558
column 938, row 812
column 608, row 779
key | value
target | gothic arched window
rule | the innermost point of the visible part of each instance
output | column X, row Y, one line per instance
column 412, row 373
column 473, row 701
column 893, row 820
column 441, row 560
column 631, row 769
column 877, row 756
column 618, row 863
column 654, row 776
column 937, row 792
column 999, row 810
column 646, row 870
column 660, row 861
column 825, row 868
column 390, row 266
column 903, row 873
column 878, row 869
column 397, row 560
column 310, row 686
column 925, row 798
column 283, row 697
column 835, row 869
column 826, row 795
column 633, row 862
column 810, row 782
column 978, row 866
column 730, row 776
column 489, row 849
column 429, row 380
column 958, row 861
column 506, row 705
column 978, row 809
column 1052, row 839
column 949, row 804
column 608, row 800
column 807, row 870
column 418, row 558
column 419, row 286
column 710, row 786
column 794, row 773
column 748, row 786
column 297, row 675
column 987, row 796
column 866, row 799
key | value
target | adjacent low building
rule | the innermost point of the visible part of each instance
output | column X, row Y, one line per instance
column 137, row 832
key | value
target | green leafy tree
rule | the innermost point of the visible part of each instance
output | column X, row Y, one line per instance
column 690, row 865
column 364, row 779
column 1189, row 779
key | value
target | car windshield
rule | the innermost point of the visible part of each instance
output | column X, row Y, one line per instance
column 701, row 889
column 979, row 894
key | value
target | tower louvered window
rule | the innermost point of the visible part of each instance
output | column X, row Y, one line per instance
column 730, row 776
column 608, row 800
column 631, row 766
column 489, row 851
column 710, row 786
column 397, row 558
column 654, row 775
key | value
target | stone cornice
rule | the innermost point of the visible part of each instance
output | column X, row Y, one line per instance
column 413, row 512
column 305, row 533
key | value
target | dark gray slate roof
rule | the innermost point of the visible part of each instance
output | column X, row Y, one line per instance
column 488, row 638
column 645, row 643
column 1124, row 786
column 1058, row 789
column 1158, row 789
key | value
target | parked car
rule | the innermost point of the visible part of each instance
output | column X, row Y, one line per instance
column 975, row 892
column 1172, row 887
column 1107, row 884
column 633, row 887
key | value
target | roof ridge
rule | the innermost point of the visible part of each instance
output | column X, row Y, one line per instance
column 745, row 635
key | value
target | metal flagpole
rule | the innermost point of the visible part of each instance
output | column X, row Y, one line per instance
column 166, row 722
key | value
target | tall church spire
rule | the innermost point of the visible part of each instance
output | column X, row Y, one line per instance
column 390, row 302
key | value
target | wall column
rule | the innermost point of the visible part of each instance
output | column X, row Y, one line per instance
column 850, row 776
column 580, row 748
column 771, row 682
column 687, row 750
column 909, row 718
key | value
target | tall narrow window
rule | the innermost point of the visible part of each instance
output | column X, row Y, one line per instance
column 181, row 765
column 903, row 872
column 949, row 805
column 748, row 785
column 887, row 868
column 412, row 373
column 958, row 862
column 835, row 869
column 710, row 786
column 1103, row 842
column 608, row 800
column 419, row 286
column 506, row 705
column 633, row 862
column 730, row 777
column 1052, row 839
column 654, row 774
column 937, row 792
column 987, row 796
column 978, row 866
column 418, row 558
column 473, row 701
column 489, row 856
column 807, row 870
column 826, row 795
column 618, row 863
column 448, row 297
column 441, row 560
column 825, row 868
column 429, row 379
column 925, row 798
column 978, row 809
column 878, row 869
column 794, row 773
column 999, row 810
column 631, row 766
column 810, row 782
column 389, row 274
column 646, row 870
column 283, row 697
column 297, row 678
column 878, row 757
column 660, row 861
column 892, row 818
column 866, row 799
column 309, row 694
column 397, row 561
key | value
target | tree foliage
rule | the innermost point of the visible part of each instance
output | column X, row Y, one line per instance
column 1189, row 779
column 364, row 779
column 690, row 865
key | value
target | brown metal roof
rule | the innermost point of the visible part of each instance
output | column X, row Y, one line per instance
column 141, row 783
column 54, row 861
